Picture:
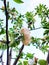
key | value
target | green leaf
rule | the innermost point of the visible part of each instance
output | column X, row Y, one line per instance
column 20, row 63
column 7, row 4
column 29, row 55
column 21, row 55
column 42, row 62
column 2, row 31
column 25, row 62
column 46, row 32
column 15, row 43
column 18, row 1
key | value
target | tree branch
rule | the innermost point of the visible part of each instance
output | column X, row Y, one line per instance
column 10, row 55
column 48, row 58
column 10, row 52
column 6, row 13
column 1, row 60
column 16, row 60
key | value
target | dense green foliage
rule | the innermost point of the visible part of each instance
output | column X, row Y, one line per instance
column 16, row 37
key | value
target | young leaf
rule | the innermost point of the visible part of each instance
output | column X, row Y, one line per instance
column 18, row 1
column 29, row 55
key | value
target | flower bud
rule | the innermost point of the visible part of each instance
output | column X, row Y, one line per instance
column 26, row 33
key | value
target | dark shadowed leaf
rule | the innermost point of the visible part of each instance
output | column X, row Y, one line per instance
column 20, row 63
column 42, row 62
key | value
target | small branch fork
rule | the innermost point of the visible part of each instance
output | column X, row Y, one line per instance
column 17, row 38
column 16, row 59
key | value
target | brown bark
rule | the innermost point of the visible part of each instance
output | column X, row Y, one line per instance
column 10, row 55
column 48, row 58
column 16, row 60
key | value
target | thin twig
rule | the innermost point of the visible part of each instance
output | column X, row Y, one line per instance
column 48, row 58
column 17, row 38
column 1, row 56
column 13, row 58
column 10, row 55
column 37, row 28
column 10, row 52
column 16, row 60
column 2, row 41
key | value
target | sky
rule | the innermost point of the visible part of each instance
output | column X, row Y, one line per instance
column 29, row 5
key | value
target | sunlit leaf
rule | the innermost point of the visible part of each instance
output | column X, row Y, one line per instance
column 18, row 1
column 25, row 62
column 29, row 55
